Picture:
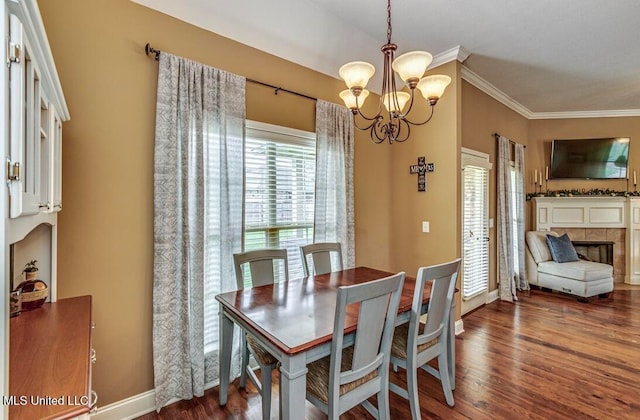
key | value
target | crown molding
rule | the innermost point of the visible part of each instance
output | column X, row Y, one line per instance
column 494, row 92
column 456, row 53
column 586, row 114
column 480, row 83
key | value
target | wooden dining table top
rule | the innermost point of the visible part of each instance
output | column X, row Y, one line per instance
column 298, row 314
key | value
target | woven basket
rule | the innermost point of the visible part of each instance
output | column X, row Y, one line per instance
column 32, row 299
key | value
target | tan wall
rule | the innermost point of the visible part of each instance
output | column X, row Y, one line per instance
column 543, row 132
column 482, row 116
column 106, row 228
column 439, row 142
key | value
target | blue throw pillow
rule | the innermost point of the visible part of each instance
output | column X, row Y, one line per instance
column 561, row 248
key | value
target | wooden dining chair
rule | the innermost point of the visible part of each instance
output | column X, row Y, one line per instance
column 349, row 376
column 415, row 343
column 261, row 265
column 321, row 255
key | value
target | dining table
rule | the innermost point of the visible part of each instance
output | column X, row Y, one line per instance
column 294, row 321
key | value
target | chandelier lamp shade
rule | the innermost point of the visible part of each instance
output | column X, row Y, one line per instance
column 391, row 121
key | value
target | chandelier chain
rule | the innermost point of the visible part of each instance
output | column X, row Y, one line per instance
column 388, row 21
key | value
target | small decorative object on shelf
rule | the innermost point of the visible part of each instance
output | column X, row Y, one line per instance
column 595, row 192
column 30, row 270
column 34, row 293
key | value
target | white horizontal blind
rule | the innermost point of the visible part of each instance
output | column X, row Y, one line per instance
column 280, row 167
column 475, row 232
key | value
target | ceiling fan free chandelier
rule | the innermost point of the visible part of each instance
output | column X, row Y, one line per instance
column 410, row 67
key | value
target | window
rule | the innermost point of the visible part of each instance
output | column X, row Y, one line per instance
column 513, row 174
column 475, row 228
column 280, row 166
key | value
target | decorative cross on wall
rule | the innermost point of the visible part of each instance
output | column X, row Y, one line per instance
column 421, row 169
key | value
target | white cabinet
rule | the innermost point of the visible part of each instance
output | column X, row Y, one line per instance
column 36, row 109
column 24, row 126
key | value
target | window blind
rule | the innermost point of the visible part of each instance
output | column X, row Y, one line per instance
column 475, row 232
column 280, row 167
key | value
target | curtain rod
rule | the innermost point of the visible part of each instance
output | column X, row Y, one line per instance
column 496, row 135
column 148, row 49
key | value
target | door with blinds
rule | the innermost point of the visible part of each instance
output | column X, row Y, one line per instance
column 475, row 229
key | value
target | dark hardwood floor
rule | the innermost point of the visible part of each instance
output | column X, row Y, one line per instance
column 545, row 357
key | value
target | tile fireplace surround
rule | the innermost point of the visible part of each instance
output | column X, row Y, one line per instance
column 615, row 235
column 597, row 219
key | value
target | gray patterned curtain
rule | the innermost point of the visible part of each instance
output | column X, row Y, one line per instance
column 333, row 213
column 198, row 217
column 511, row 213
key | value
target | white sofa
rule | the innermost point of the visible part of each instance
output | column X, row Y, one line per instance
column 581, row 278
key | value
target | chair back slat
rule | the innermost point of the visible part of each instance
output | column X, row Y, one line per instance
column 443, row 282
column 370, row 326
column 375, row 327
column 322, row 255
column 262, row 264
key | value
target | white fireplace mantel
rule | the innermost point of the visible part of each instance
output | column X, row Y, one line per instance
column 595, row 212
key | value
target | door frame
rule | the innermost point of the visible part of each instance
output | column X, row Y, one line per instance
column 478, row 159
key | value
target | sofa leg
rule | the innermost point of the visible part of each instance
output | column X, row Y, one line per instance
column 604, row 295
column 583, row 299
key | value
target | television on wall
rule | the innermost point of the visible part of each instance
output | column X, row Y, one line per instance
column 590, row 158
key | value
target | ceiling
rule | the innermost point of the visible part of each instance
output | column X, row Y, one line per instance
column 542, row 58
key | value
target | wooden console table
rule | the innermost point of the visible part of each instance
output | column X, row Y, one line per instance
column 50, row 361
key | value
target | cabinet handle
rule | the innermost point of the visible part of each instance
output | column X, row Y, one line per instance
column 93, row 407
column 13, row 170
column 93, row 355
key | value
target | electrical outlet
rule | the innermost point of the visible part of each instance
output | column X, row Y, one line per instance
column 425, row 227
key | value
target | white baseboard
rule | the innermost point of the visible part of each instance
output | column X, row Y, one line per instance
column 492, row 295
column 135, row 406
column 459, row 327
column 128, row 408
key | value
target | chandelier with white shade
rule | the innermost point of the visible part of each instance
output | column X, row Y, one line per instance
column 394, row 124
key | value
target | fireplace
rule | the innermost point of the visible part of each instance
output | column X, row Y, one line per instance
column 597, row 219
column 597, row 251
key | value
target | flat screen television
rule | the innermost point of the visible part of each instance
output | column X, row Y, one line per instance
column 590, row 158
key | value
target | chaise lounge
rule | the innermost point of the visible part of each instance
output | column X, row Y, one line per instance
column 556, row 271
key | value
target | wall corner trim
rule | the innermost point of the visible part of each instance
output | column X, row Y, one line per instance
column 458, row 53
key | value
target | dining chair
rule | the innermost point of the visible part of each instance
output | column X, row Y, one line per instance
column 349, row 376
column 321, row 254
column 261, row 265
column 416, row 343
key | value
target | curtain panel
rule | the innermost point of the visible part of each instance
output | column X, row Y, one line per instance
column 198, row 218
column 511, row 214
column 334, row 209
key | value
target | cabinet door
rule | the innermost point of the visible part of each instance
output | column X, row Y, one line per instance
column 46, row 154
column 25, row 125
column 56, row 161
